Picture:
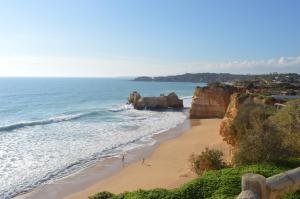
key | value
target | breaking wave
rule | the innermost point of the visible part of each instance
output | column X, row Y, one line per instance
column 62, row 118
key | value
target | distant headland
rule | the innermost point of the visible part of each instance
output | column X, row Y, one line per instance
column 221, row 77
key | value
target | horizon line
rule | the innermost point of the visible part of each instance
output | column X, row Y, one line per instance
column 133, row 76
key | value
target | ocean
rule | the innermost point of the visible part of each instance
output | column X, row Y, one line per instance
column 53, row 127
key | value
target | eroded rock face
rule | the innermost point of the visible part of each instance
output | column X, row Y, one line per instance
column 211, row 101
column 231, row 113
column 236, row 102
column 161, row 102
column 173, row 101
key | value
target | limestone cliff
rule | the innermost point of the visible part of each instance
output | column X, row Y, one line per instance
column 228, row 119
column 237, row 100
column 211, row 101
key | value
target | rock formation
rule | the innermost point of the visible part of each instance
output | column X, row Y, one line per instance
column 161, row 102
column 134, row 97
column 231, row 113
column 211, row 101
column 173, row 101
column 237, row 100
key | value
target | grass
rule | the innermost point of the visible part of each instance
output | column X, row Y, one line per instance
column 220, row 184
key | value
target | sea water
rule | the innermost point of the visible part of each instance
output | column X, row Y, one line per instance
column 53, row 127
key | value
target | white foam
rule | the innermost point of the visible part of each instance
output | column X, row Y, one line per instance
column 122, row 107
column 41, row 153
column 187, row 101
column 57, row 119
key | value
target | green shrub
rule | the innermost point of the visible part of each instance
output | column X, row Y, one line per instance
column 287, row 123
column 256, row 140
column 209, row 159
column 142, row 194
column 264, row 134
column 295, row 195
column 243, row 96
column 102, row 195
column 151, row 194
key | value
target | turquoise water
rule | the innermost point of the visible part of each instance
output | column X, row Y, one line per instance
column 52, row 127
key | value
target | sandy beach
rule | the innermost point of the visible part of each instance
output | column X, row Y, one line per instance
column 167, row 166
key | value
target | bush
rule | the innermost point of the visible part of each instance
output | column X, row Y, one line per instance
column 266, row 135
column 295, row 195
column 224, row 183
column 102, row 195
column 209, row 159
column 287, row 123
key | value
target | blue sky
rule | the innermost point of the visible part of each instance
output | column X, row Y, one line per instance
column 148, row 37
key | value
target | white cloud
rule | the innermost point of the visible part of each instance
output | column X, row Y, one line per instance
column 130, row 66
column 281, row 64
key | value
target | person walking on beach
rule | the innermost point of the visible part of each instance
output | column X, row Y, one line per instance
column 143, row 161
column 123, row 160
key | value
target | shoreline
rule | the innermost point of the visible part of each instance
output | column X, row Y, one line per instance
column 168, row 166
column 101, row 169
column 103, row 175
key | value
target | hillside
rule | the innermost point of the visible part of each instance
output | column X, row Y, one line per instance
column 222, row 77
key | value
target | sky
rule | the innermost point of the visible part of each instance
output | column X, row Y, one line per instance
column 111, row 38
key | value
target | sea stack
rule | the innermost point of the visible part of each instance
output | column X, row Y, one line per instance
column 154, row 103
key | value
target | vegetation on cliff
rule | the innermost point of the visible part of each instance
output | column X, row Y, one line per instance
column 260, row 133
column 224, row 183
